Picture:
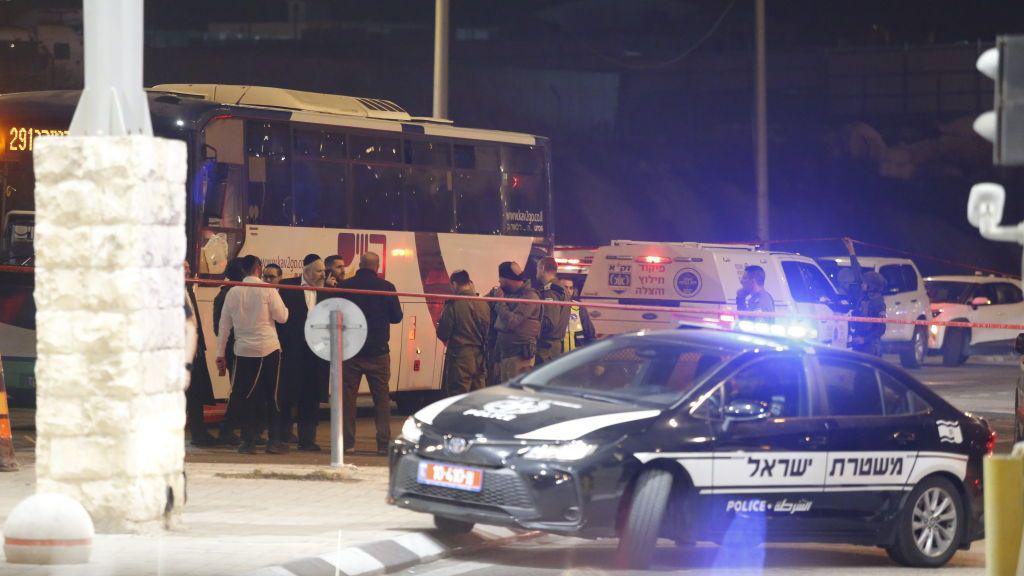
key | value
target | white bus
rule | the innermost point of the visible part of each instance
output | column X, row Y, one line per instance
column 282, row 173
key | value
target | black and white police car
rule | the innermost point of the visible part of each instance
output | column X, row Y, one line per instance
column 697, row 434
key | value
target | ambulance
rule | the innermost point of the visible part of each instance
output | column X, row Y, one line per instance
column 701, row 280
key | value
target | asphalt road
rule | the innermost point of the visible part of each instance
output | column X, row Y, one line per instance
column 554, row 555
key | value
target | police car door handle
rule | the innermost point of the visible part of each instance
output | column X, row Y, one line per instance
column 814, row 441
column 903, row 438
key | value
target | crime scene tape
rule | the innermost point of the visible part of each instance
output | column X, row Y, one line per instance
column 675, row 312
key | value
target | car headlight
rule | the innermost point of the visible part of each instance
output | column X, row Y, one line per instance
column 561, row 452
column 411, row 430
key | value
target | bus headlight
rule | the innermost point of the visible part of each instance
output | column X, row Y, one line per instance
column 411, row 431
column 562, row 452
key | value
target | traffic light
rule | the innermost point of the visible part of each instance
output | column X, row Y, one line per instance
column 1004, row 125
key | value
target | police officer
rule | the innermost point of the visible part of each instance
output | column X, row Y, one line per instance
column 866, row 337
column 463, row 328
column 554, row 320
column 515, row 326
column 752, row 294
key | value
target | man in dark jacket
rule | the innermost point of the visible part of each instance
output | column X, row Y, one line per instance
column 200, row 389
column 463, row 328
column 516, row 325
column 866, row 337
column 554, row 320
column 303, row 372
column 374, row 359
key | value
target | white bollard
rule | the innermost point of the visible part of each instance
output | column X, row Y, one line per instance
column 48, row 529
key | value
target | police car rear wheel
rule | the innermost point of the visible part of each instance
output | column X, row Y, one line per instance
column 451, row 526
column 643, row 523
column 930, row 525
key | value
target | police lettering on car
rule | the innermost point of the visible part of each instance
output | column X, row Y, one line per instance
column 689, row 434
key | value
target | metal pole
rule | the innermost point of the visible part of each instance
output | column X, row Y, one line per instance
column 441, row 9
column 761, row 126
column 337, row 388
column 113, row 102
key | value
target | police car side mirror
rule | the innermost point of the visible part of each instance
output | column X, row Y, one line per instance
column 980, row 301
column 743, row 411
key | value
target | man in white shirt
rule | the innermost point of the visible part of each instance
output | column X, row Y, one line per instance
column 251, row 313
column 305, row 375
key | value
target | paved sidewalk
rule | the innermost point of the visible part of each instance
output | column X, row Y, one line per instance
column 237, row 525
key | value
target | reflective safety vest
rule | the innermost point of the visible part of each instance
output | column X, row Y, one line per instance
column 575, row 325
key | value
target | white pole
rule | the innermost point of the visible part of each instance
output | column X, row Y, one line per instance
column 761, row 126
column 113, row 102
column 441, row 10
column 337, row 390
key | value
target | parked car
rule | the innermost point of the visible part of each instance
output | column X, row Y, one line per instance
column 983, row 299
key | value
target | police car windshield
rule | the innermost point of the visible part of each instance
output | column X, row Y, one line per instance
column 635, row 370
column 949, row 292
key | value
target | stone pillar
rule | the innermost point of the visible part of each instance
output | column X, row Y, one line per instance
column 110, row 325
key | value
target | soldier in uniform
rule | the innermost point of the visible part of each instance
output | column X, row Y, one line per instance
column 463, row 328
column 554, row 320
column 515, row 326
column 866, row 337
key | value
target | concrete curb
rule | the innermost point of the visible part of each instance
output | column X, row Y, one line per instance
column 994, row 359
column 394, row 554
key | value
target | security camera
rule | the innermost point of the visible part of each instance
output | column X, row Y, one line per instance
column 985, row 205
column 985, row 212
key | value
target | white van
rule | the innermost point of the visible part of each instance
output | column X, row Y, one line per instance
column 905, row 298
column 690, row 275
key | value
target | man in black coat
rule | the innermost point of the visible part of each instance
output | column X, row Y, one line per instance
column 303, row 372
column 200, row 390
column 374, row 359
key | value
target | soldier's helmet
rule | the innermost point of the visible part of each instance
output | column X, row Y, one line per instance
column 874, row 282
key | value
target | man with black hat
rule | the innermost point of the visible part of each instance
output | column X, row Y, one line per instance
column 304, row 373
column 516, row 325
column 463, row 328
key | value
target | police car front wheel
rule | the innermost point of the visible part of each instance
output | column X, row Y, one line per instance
column 642, row 525
column 930, row 526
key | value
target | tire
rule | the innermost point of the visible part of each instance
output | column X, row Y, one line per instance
column 642, row 525
column 954, row 345
column 941, row 532
column 451, row 526
column 913, row 355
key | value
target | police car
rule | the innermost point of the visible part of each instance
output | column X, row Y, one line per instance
column 703, row 435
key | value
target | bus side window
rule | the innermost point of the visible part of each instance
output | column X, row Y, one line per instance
column 268, row 154
column 525, row 189
column 477, row 189
column 319, row 180
column 377, row 196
